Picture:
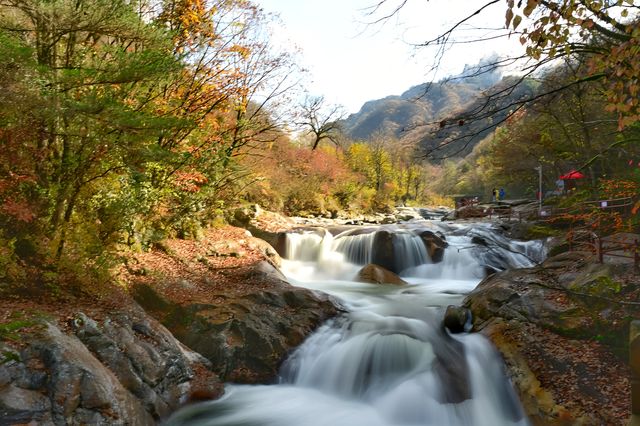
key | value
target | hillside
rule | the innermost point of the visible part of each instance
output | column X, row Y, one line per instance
column 443, row 119
column 459, row 131
column 418, row 105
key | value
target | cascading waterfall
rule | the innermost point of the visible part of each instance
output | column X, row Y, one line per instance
column 356, row 249
column 388, row 361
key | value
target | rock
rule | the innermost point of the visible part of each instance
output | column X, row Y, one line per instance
column 479, row 241
column 268, row 272
column 266, row 249
column 127, row 369
column 280, row 244
column 556, row 316
column 595, row 280
column 260, row 223
column 376, row 274
column 457, row 319
column 434, row 244
column 245, row 337
column 226, row 249
column 386, row 220
column 80, row 388
column 450, row 365
column 471, row 211
column 384, row 252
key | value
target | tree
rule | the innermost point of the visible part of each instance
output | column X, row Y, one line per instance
column 606, row 33
column 320, row 121
column 125, row 115
column 94, row 63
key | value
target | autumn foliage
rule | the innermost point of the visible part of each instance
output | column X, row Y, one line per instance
column 121, row 121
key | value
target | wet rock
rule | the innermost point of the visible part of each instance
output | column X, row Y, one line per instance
column 549, row 317
column 434, row 244
column 280, row 244
column 383, row 252
column 450, row 365
column 457, row 319
column 376, row 274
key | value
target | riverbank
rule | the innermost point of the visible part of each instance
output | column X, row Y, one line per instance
column 562, row 329
column 117, row 354
column 189, row 315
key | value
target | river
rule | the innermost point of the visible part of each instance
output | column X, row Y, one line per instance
column 387, row 361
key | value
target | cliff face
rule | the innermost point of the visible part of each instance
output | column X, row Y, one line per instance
column 420, row 104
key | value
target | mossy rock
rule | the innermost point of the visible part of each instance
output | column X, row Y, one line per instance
column 596, row 280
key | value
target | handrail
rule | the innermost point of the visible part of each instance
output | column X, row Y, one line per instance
column 597, row 245
column 612, row 203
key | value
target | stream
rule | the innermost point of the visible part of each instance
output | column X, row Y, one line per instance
column 387, row 361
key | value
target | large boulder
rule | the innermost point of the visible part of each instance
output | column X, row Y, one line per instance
column 376, row 274
column 450, row 365
column 245, row 336
column 125, row 369
column 384, row 251
column 457, row 319
column 261, row 223
column 551, row 323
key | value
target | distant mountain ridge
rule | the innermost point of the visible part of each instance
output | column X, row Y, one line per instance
column 419, row 105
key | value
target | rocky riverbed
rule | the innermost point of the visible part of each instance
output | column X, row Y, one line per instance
column 189, row 315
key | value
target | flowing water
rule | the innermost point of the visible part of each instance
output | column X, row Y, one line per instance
column 388, row 361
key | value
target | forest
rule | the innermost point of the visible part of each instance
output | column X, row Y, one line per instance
column 127, row 122
column 165, row 170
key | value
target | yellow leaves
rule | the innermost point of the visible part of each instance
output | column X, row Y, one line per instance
column 243, row 51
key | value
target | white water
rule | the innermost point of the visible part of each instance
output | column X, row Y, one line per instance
column 388, row 361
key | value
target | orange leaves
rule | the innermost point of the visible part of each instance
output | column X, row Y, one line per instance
column 566, row 27
column 243, row 51
column 190, row 19
column 619, row 188
column 189, row 181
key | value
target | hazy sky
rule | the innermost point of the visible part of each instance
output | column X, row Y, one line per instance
column 351, row 63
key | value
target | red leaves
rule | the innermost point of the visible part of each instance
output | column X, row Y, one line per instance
column 189, row 181
column 19, row 210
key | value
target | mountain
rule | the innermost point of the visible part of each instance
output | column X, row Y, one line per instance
column 457, row 132
column 419, row 105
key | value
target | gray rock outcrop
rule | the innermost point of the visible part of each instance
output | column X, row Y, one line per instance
column 127, row 369
column 245, row 337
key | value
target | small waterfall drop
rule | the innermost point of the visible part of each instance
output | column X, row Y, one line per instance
column 388, row 361
column 357, row 248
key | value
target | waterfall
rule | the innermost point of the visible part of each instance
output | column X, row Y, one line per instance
column 356, row 249
column 388, row 361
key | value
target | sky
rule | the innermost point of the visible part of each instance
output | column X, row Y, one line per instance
column 351, row 61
